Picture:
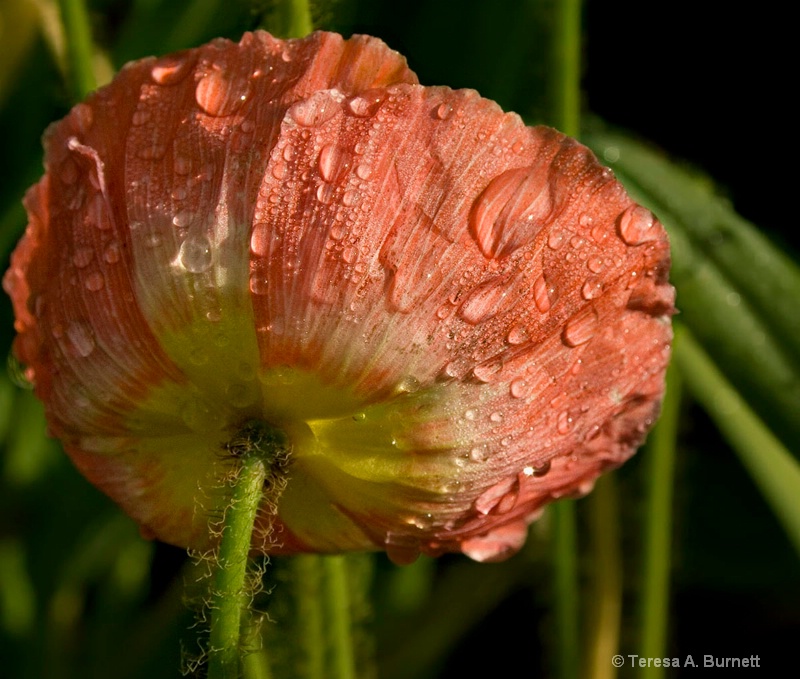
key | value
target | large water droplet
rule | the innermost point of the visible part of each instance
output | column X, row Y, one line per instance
column 635, row 225
column 484, row 302
column 519, row 388
column 541, row 294
column 333, row 163
column 517, row 335
column 81, row 337
column 82, row 257
column 366, row 104
column 258, row 284
column 94, row 282
column 219, row 93
column 592, row 288
column 580, row 328
column 443, row 111
column 501, row 497
column 486, row 372
column 510, row 211
column 195, row 254
column 170, row 70
column 316, row 110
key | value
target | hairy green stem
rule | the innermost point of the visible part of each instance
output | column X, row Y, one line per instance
column 79, row 47
column 261, row 453
column 230, row 596
column 658, row 527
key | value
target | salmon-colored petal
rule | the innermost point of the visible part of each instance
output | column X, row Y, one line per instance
column 455, row 318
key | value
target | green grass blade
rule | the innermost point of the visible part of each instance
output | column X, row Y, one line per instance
column 772, row 467
column 657, row 535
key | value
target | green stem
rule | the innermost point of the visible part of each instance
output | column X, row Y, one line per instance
column 262, row 453
column 658, row 526
column 298, row 16
column 565, row 566
column 290, row 19
column 565, row 66
column 230, row 596
column 773, row 468
column 607, row 578
column 79, row 46
column 565, row 62
column 306, row 579
column 337, row 602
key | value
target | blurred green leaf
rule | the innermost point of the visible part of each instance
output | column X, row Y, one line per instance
column 772, row 467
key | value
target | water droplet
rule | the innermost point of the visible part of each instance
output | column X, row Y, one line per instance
column 333, row 163
column 363, row 171
column 325, row 194
column 94, row 281
column 541, row 294
column 183, row 218
column 595, row 264
column 81, row 337
column 350, row 254
column 140, row 116
column 555, row 239
column 517, row 335
column 479, row 453
column 258, row 284
column 501, row 497
column 241, row 395
column 470, row 415
column 316, row 110
column 82, row 257
column 279, row 170
column 484, row 302
column 195, row 254
column 486, row 372
column 219, row 93
column 580, row 328
column 543, row 468
column 635, row 225
column 519, row 388
column 366, row 104
column 170, row 70
column 408, row 385
column 592, row 288
column 199, row 416
column 350, row 198
column 510, row 211
column 496, row 416
column 443, row 111
column 564, row 423
column 112, row 253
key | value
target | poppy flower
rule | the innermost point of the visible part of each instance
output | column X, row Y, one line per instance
column 453, row 318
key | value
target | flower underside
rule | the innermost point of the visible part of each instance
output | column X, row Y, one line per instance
column 454, row 318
